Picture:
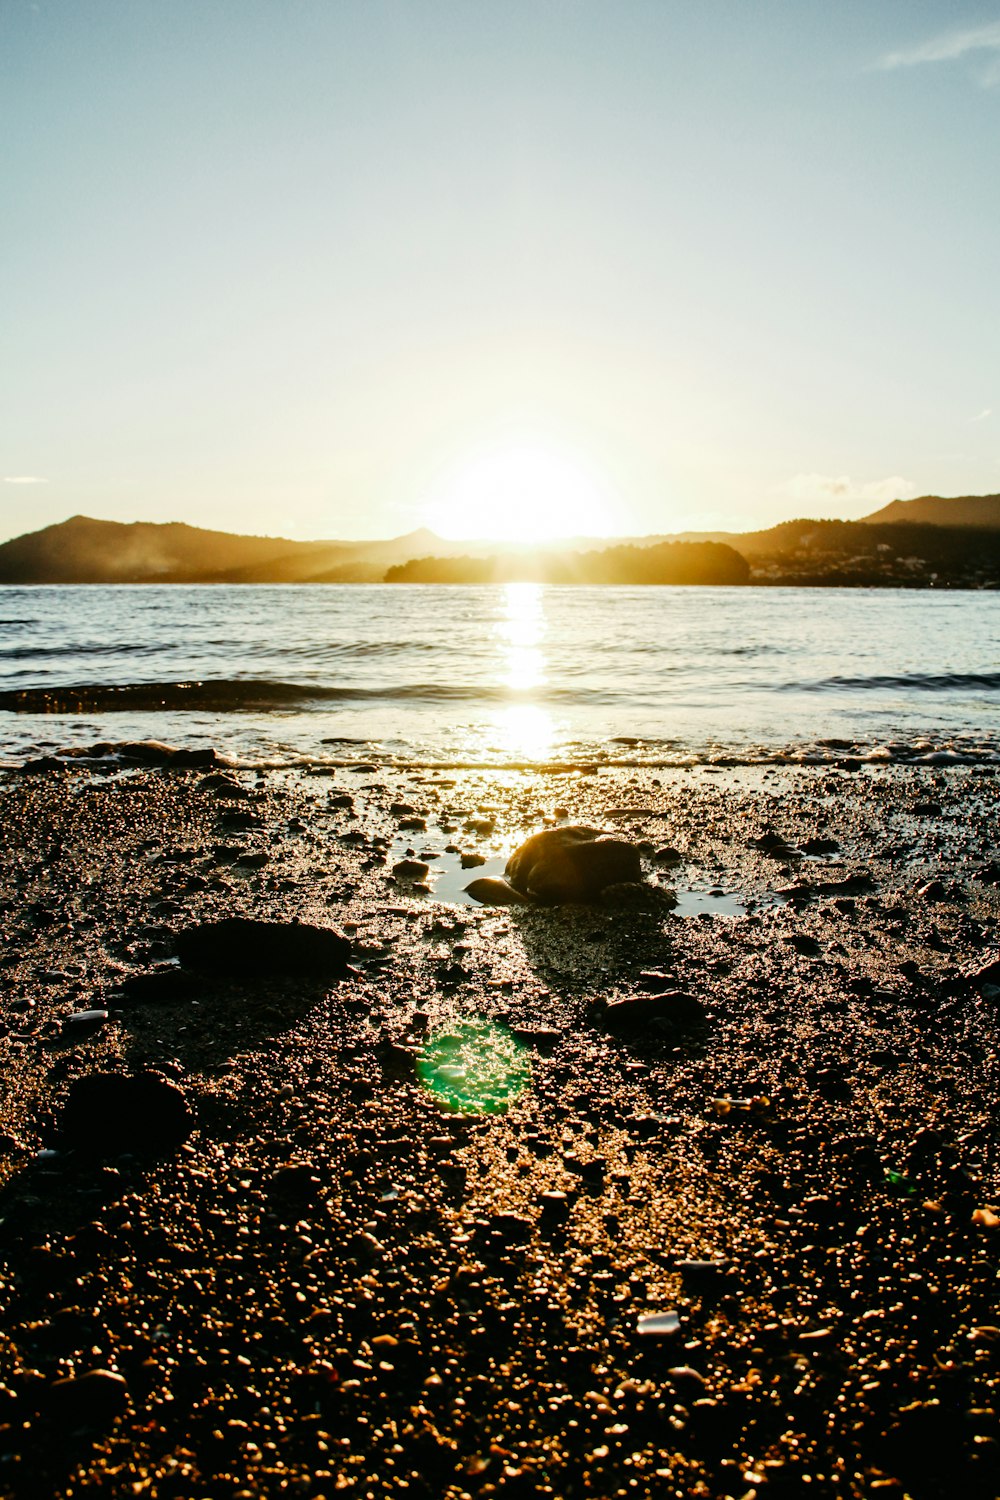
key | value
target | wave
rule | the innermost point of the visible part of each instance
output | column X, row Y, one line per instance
column 308, row 653
column 921, row 682
column 248, row 696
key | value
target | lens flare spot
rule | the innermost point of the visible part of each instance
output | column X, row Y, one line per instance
column 474, row 1067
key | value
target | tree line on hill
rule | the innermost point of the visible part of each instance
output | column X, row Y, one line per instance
column 666, row 562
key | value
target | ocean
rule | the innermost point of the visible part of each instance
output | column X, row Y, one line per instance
column 503, row 675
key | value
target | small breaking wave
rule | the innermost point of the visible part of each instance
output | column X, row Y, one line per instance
column 252, row 696
column 919, row 682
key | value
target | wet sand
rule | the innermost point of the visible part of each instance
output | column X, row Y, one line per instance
column 335, row 1284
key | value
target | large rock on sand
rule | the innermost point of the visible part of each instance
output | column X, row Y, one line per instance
column 245, row 946
column 572, row 864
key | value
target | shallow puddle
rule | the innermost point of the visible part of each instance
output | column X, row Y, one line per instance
column 448, row 880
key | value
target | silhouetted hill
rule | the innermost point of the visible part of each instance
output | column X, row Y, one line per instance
column 892, row 551
column 83, row 550
column 663, row 562
column 863, row 553
column 979, row 511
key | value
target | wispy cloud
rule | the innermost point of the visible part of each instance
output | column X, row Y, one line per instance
column 982, row 43
column 840, row 489
column 987, row 411
column 24, row 479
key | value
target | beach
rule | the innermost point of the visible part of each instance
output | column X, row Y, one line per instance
column 295, row 1266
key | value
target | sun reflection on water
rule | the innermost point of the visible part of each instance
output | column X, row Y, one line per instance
column 525, row 729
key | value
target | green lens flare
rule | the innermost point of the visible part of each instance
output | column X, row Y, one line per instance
column 475, row 1067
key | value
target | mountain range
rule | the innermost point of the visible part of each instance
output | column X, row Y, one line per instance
column 929, row 539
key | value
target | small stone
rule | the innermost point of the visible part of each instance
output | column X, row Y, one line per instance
column 85, row 1021
column 410, row 869
column 696, row 1268
column 658, row 1325
column 471, row 860
column 491, row 890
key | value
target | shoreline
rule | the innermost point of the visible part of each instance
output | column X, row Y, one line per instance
column 333, row 1283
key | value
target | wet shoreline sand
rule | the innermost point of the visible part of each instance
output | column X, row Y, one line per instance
column 335, row 1285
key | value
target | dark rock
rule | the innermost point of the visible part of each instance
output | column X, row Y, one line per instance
column 238, row 822
column 112, row 1113
column 245, row 946
column 572, row 864
column 636, row 895
column 43, row 764
column 470, row 861
column 155, row 753
column 158, row 987
column 295, row 1181
column 92, row 1400
column 804, row 944
column 84, row 1022
column 410, row 869
column 674, row 1006
column 555, row 1206
column 668, row 856
column 768, row 842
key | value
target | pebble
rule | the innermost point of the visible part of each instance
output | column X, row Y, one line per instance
column 85, row 1020
column 658, row 1325
column 491, row 890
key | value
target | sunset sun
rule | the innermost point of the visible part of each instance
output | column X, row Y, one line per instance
column 524, row 491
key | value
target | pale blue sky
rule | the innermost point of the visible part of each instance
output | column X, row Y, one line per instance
column 317, row 267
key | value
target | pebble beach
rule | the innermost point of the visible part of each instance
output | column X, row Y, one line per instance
column 686, row 1194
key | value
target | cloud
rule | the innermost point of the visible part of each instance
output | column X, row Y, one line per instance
column 951, row 46
column 24, row 479
column 987, row 411
column 839, row 490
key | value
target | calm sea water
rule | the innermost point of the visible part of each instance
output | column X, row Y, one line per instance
column 503, row 674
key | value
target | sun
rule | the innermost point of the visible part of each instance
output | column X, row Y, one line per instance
column 524, row 491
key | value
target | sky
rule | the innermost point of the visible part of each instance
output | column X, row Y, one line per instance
column 344, row 268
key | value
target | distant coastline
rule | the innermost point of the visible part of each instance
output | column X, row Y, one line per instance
column 931, row 542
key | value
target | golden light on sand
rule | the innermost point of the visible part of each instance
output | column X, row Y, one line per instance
column 520, row 491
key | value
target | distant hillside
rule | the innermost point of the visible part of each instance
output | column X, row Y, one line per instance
column 979, row 511
column 82, row 550
column 863, row 553
column 663, row 562
column 906, row 544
